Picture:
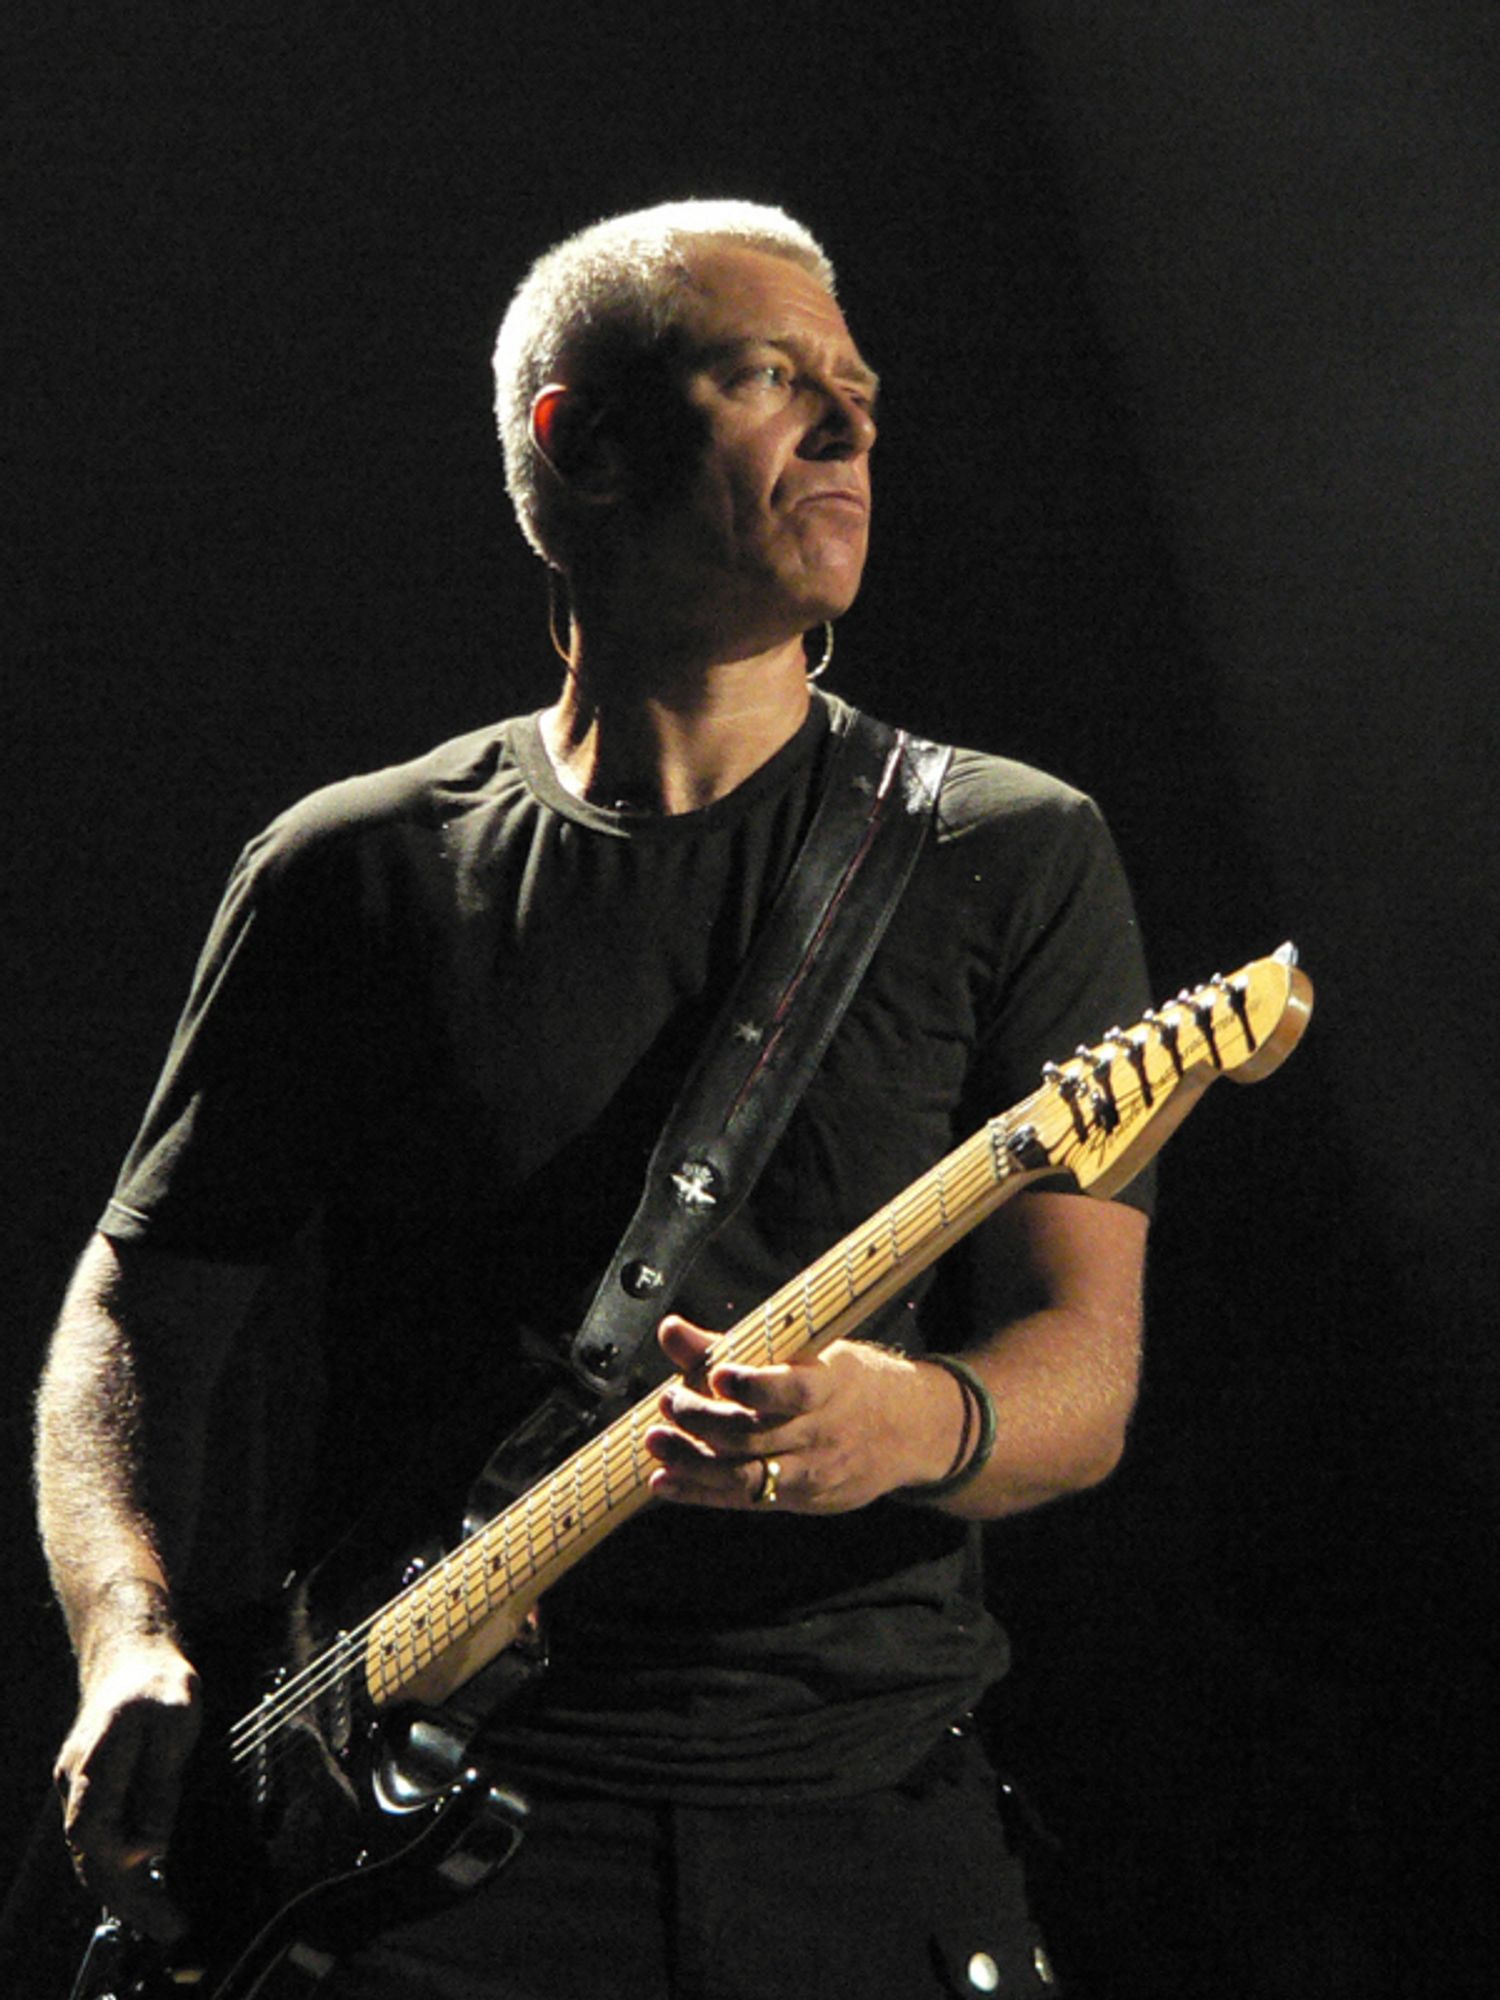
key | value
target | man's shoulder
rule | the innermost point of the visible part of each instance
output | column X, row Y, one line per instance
column 982, row 787
column 1015, row 813
column 1017, row 810
column 1014, row 835
column 423, row 793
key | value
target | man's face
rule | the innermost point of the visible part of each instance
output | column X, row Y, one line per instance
column 767, row 532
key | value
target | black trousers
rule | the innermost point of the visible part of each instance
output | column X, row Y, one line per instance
column 908, row 1894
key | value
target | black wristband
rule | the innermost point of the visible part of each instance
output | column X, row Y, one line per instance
column 974, row 1463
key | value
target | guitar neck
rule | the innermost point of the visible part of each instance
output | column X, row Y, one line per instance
column 1097, row 1118
column 473, row 1603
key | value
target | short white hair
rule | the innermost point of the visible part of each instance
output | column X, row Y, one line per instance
column 615, row 288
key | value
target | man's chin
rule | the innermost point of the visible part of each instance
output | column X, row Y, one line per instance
column 828, row 591
column 831, row 606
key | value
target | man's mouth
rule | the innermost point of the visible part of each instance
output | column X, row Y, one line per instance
column 835, row 496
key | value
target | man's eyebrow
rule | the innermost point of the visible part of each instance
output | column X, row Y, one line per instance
column 861, row 374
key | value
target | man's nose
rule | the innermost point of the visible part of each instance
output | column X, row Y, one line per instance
column 845, row 427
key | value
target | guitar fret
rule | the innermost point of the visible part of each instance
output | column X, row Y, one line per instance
column 421, row 1643
column 919, row 1210
column 494, row 1559
column 559, row 1513
column 459, row 1595
column 522, row 1527
column 554, row 1497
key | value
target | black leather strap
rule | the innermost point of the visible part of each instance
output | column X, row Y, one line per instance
column 768, row 1040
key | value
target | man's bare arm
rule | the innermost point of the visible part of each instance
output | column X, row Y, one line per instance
column 121, row 1424
column 1063, row 1364
column 1059, row 1281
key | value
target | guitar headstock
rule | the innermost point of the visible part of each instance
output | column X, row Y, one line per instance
column 1103, row 1113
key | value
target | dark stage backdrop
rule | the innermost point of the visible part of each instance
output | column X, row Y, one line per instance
column 1188, row 316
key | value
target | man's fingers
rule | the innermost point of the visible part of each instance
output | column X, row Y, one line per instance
column 686, row 1346
column 96, row 1782
column 728, row 1431
column 136, row 1891
column 156, row 1790
column 714, row 1391
column 744, row 1393
column 121, row 1865
column 701, row 1479
column 779, row 1391
column 727, row 1422
column 120, row 1774
column 130, row 1778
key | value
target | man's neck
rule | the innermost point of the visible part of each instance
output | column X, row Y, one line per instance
column 671, row 739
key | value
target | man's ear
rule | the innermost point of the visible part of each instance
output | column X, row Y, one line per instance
column 568, row 429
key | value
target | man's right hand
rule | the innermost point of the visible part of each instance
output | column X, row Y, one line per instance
column 120, row 1774
column 122, row 1423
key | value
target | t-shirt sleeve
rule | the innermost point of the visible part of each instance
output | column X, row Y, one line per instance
column 1074, row 967
column 228, row 1163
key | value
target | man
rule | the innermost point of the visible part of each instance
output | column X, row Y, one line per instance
column 442, row 1016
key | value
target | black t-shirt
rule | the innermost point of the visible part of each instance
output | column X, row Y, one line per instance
column 440, row 1019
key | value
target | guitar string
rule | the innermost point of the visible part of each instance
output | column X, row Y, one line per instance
column 968, row 1180
column 979, row 1158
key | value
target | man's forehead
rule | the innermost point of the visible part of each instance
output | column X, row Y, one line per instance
column 738, row 296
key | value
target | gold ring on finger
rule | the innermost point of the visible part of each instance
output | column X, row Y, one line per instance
column 770, row 1483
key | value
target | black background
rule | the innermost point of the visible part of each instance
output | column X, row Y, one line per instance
column 1187, row 317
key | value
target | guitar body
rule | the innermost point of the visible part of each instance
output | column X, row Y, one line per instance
column 432, row 1848
column 342, row 1821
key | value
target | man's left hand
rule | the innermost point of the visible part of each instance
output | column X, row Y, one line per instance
column 843, row 1427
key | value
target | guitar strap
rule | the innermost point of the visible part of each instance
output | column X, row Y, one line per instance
column 760, row 1055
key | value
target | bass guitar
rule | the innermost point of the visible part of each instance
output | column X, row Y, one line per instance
column 355, row 1789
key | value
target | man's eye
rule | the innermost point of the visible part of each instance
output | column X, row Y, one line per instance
column 765, row 374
